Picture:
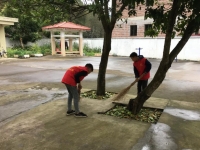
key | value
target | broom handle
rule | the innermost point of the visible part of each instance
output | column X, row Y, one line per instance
column 136, row 80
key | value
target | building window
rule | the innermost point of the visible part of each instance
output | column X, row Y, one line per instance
column 147, row 27
column 149, row 2
column 133, row 30
column 196, row 33
column 131, row 6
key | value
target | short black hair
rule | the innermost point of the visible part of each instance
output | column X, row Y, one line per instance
column 133, row 54
column 89, row 66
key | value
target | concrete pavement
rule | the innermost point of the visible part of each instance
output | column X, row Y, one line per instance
column 27, row 84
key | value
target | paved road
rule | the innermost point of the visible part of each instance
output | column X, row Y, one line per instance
column 27, row 83
column 181, row 83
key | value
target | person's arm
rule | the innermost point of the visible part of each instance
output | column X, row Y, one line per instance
column 78, row 75
column 136, row 72
column 148, row 66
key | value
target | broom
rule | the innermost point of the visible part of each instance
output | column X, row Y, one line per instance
column 79, row 92
column 124, row 91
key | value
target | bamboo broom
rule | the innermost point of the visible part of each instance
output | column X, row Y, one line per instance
column 79, row 92
column 121, row 94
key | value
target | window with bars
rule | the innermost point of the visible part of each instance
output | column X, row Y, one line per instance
column 133, row 30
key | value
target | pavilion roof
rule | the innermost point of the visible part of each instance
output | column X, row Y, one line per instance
column 66, row 25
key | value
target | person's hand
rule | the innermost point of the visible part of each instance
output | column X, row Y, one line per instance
column 79, row 86
column 137, row 79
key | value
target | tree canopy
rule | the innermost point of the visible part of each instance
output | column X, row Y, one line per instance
column 33, row 15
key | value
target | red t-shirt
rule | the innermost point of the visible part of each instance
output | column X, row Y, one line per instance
column 140, row 66
column 74, row 75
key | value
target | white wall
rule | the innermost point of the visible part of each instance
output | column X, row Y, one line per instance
column 11, row 43
column 151, row 47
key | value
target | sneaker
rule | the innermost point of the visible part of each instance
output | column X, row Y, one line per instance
column 80, row 114
column 70, row 112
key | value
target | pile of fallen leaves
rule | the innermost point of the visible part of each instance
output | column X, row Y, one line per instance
column 93, row 95
column 149, row 115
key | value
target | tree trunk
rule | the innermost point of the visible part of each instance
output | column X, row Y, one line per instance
column 101, row 82
column 155, row 83
column 21, row 42
column 162, row 70
column 165, row 63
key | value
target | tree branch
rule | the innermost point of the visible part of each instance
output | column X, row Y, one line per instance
column 106, row 11
column 169, row 31
column 102, row 15
column 113, row 13
column 187, row 34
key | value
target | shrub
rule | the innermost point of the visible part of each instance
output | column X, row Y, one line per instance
column 90, row 51
column 86, row 49
column 15, row 51
column 46, row 49
column 29, row 50
column 35, row 48
column 10, row 52
column 75, row 46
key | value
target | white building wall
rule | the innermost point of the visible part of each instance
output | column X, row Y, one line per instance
column 151, row 47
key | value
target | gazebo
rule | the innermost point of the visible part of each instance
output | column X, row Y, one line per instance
column 66, row 30
column 5, row 21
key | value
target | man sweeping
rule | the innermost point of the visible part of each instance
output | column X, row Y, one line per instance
column 72, row 80
column 141, row 67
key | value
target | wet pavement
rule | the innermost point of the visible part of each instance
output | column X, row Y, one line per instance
column 29, row 83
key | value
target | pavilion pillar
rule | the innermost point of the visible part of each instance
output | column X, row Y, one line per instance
column 62, row 40
column 53, row 44
column 2, row 38
column 81, row 43
column 70, row 44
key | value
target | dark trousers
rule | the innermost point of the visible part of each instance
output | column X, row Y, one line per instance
column 142, row 84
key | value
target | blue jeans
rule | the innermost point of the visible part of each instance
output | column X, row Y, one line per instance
column 73, row 94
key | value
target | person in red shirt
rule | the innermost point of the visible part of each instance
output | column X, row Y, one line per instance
column 141, row 67
column 72, row 80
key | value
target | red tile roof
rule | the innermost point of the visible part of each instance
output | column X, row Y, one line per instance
column 66, row 25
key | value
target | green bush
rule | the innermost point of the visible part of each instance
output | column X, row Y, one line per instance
column 90, row 51
column 89, row 54
column 86, row 49
column 29, row 50
column 15, row 51
column 46, row 49
column 36, row 49
column 11, row 52
column 75, row 46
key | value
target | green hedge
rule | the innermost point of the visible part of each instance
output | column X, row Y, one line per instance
column 31, row 50
column 87, row 50
column 46, row 50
